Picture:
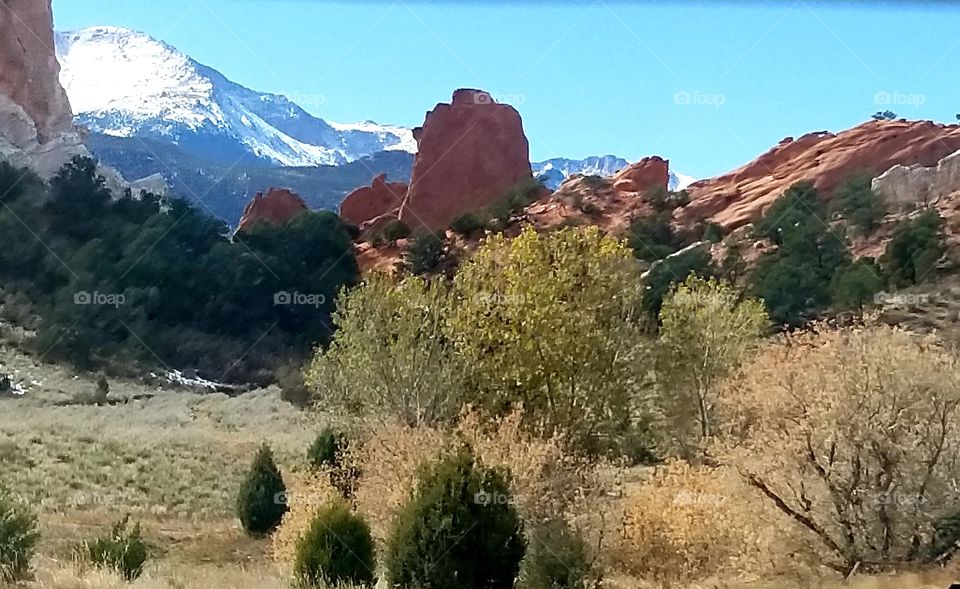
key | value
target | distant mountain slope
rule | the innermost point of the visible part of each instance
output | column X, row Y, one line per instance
column 223, row 189
column 553, row 172
column 124, row 83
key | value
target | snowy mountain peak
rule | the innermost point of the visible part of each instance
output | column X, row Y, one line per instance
column 553, row 172
column 125, row 83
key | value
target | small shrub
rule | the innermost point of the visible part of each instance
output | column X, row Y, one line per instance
column 103, row 389
column 18, row 538
column 946, row 539
column 467, row 224
column 327, row 449
column 424, row 253
column 260, row 506
column 330, row 452
column 557, row 559
column 336, row 548
column 123, row 551
column 293, row 389
column 396, row 230
column 460, row 529
column 590, row 209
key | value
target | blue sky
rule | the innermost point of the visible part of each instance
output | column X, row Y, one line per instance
column 708, row 85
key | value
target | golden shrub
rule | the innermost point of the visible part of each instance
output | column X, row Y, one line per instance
column 546, row 481
column 687, row 523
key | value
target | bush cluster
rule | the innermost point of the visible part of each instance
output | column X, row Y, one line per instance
column 123, row 551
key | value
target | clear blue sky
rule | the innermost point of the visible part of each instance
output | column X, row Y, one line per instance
column 708, row 85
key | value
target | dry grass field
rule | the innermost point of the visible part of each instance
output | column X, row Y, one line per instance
column 174, row 459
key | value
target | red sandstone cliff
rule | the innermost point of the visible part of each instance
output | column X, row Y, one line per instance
column 827, row 159
column 277, row 207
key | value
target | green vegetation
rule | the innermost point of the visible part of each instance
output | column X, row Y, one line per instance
column 551, row 322
column 424, row 253
column 706, row 330
column 123, row 551
column 330, row 453
column 261, row 502
column 794, row 280
column 671, row 271
column 859, row 204
column 336, row 548
column 467, row 224
column 389, row 356
column 122, row 282
column 855, row 286
column 557, row 559
column 460, row 529
column 914, row 250
column 18, row 538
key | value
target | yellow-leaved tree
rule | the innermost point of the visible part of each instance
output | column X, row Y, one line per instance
column 551, row 321
column 706, row 330
column 389, row 357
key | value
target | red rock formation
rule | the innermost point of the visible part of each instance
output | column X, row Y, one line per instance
column 278, row 207
column 367, row 203
column 29, row 72
column 471, row 153
column 827, row 159
column 36, row 128
column 648, row 173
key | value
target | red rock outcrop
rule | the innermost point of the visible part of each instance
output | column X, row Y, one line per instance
column 470, row 154
column 29, row 72
column 827, row 159
column 368, row 203
column 36, row 127
column 648, row 173
column 277, row 207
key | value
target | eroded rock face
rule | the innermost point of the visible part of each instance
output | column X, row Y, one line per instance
column 647, row 174
column 471, row 153
column 36, row 127
column 365, row 205
column 907, row 186
column 277, row 207
column 827, row 159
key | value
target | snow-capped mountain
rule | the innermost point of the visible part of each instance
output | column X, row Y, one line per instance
column 127, row 84
column 553, row 172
